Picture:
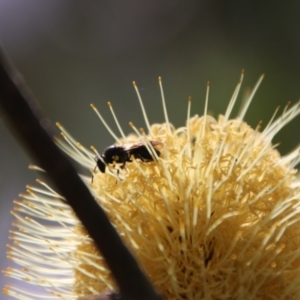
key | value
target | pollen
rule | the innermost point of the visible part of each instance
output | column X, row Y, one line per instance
column 215, row 214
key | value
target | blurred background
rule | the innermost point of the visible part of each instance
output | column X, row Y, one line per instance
column 73, row 53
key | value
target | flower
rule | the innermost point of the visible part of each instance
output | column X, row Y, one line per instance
column 215, row 214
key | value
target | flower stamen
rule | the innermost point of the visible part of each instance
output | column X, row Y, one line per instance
column 116, row 120
column 104, row 123
column 250, row 98
column 142, row 106
column 233, row 99
column 164, row 103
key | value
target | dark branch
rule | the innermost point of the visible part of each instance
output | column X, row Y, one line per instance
column 22, row 116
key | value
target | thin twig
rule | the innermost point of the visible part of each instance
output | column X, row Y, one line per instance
column 24, row 119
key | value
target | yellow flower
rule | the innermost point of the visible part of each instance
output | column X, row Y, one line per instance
column 215, row 214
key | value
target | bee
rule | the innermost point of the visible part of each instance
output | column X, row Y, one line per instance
column 123, row 154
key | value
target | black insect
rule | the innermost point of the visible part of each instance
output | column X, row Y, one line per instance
column 122, row 154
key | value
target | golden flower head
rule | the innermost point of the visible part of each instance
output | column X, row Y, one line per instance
column 214, row 214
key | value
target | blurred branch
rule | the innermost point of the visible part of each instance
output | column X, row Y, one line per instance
column 23, row 118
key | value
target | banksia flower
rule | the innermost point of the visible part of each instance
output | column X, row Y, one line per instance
column 214, row 213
